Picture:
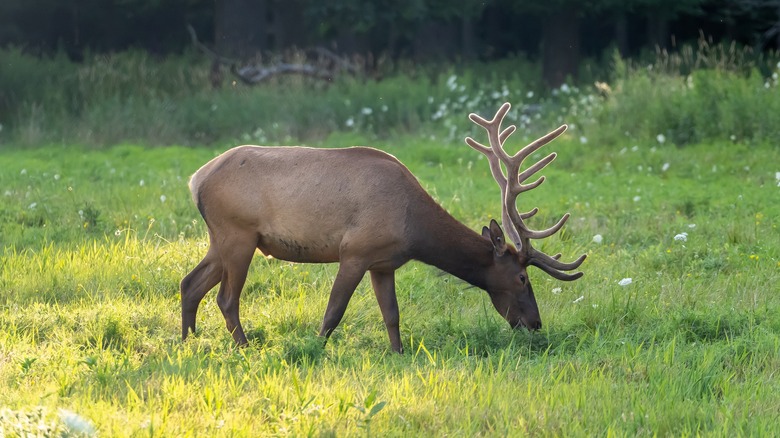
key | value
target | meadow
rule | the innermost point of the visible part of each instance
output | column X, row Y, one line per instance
column 673, row 330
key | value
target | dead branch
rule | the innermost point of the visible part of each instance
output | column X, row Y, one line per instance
column 325, row 67
column 254, row 74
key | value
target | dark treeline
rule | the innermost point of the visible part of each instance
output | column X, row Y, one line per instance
column 558, row 33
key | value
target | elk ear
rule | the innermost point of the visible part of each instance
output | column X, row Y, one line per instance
column 496, row 236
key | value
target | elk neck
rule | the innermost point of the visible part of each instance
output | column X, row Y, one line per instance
column 453, row 247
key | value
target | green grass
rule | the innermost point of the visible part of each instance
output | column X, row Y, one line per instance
column 89, row 308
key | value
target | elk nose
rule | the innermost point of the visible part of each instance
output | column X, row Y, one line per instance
column 535, row 324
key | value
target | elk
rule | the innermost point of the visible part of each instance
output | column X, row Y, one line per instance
column 363, row 209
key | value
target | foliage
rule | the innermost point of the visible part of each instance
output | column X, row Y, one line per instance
column 96, row 241
column 703, row 93
column 710, row 103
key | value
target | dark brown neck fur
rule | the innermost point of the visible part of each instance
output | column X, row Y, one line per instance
column 452, row 247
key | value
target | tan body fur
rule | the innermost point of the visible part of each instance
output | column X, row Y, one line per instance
column 285, row 196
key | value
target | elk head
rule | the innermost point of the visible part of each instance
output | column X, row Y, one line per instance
column 511, row 292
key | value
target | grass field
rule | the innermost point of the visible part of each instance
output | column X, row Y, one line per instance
column 96, row 241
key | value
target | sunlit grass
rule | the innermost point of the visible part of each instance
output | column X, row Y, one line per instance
column 89, row 310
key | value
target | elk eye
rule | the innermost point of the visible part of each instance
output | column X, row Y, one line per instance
column 522, row 278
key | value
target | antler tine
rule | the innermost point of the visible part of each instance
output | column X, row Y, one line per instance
column 555, row 273
column 529, row 214
column 552, row 262
column 555, row 268
column 541, row 141
column 547, row 232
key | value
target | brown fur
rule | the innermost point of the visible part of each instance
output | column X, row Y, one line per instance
column 357, row 206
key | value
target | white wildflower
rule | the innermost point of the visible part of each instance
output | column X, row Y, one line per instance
column 733, row 137
column 583, row 139
column 32, row 206
column 598, row 238
column 366, row 111
column 350, row 122
column 625, row 281
column 634, row 148
column 384, row 108
column 451, row 83
column 682, row 237
column 162, row 198
column 556, row 290
column 76, row 423
column 582, row 297
column 56, row 176
column 565, row 88
column 777, row 178
column 141, row 183
column 660, row 138
column 118, row 232
column 23, row 172
column 665, row 167
column 529, row 94
column 637, row 198
column 691, row 226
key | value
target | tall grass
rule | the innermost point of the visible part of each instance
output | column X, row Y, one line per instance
column 708, row 93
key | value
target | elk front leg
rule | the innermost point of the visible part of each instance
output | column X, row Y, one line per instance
column 384, row 289
column 344, row 286
column 195, row 286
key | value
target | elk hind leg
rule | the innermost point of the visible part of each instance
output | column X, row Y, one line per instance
column 195, row 286
column 236, row 259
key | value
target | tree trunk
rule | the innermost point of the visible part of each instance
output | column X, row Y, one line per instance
column 240, row 27
column 621, row 34
column 286, row 26
column 658, row 31
column 777, row 29
column 436, row 40
column 561, row 47
column 468, row 47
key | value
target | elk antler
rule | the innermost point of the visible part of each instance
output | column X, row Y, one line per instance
column 511, row 185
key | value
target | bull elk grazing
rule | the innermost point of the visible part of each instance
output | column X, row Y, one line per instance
column 362, row 208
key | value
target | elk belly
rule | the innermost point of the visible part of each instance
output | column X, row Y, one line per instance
column 293, row 250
